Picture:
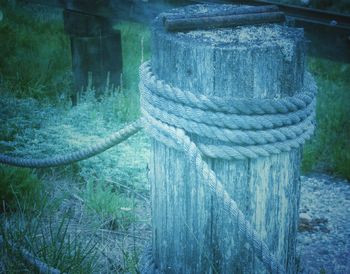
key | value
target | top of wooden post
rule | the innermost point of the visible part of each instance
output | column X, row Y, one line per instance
column 241, row 44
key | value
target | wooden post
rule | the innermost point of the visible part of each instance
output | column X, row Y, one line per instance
column 96, row 51
column 191, row 231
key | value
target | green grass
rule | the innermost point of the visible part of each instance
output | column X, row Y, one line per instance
column 19, row 184
column 136, row 49
column 329, row 150
column 31, row 54
column 35, row 68
column 115, row 209
column 50, row 241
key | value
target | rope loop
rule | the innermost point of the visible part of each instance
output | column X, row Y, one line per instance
column 245, row 128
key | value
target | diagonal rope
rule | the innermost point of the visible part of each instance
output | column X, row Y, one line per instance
column 176, row 137
column 40, row 266
column 246, row 128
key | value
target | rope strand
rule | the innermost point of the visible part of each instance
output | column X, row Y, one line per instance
column 73, row 157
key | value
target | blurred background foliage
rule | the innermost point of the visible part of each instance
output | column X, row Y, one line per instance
column 35, row 53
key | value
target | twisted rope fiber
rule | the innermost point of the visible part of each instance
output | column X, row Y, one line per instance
column 227, row 152
column 262, row 135
column 93, row 150
column 221, row 119
column 177, row 137
column 40, row 266
column 238, row 137
column 291, row 123
column 227, row 105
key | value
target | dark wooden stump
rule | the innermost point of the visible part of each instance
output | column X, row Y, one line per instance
column 191, row 231
column 96, row 51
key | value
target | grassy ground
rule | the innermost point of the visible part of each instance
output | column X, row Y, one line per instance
column 36, row 46
column 329, row 150
column 105, row 198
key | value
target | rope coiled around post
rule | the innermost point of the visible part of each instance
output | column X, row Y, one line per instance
column 244, row 132
column 227, row 105
column 272, row 126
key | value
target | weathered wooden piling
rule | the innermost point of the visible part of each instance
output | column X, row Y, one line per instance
column 96, row 51
column 191, row 231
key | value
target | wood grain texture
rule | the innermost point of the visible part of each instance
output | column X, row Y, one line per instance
column 191, row 231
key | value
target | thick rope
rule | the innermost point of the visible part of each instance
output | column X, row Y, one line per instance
column 228, row 152
column 177, row 137
column 288, row 123
column 227, row 105
column 39, row 265
column 93, row 150
column 247, row 128
column 222, row 119
column 237, row 136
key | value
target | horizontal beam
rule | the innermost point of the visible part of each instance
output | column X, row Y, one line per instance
column 317, row 16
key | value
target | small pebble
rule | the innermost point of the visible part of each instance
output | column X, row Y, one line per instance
column 305, row 217
column 324, row 230
column 333, row 23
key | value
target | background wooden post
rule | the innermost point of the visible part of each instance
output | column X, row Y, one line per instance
column 96, row 51
column 191, row 231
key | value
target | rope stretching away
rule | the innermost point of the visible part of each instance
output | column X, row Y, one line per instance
column 73, row 157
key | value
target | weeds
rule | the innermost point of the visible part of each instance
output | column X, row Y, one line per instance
column 35, row 55
column 136, row 49
column 114, row 209
column 329, row 150
column 19, row 184
column 49, row 241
